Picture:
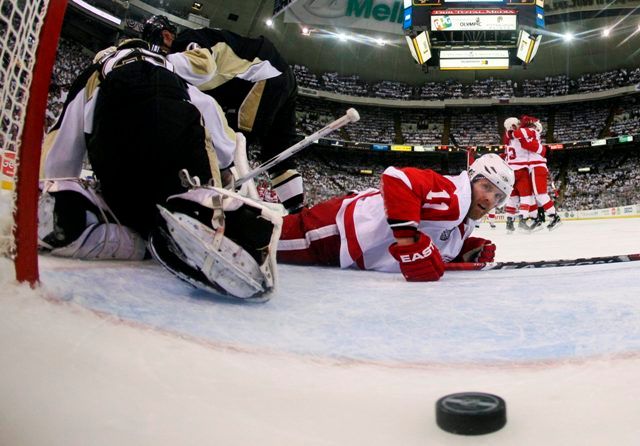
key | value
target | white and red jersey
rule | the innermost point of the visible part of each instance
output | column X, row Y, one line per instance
column 524, row 148
column 435, row 204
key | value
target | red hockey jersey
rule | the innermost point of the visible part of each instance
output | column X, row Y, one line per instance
column 434, row 204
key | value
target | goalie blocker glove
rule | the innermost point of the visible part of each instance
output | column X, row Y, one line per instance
column 419, row 261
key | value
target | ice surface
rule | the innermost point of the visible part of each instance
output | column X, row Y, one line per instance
column 123, row 353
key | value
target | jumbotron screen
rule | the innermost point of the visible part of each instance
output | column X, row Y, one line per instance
column 478, row 15
column 500, row 32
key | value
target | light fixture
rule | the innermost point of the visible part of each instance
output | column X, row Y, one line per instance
column 568, row 37
column 269, row 23
column 197, row 6
column 306, row 31
column 606, row 32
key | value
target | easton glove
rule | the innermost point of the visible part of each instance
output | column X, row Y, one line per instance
column 419, row 261
column 475, row 249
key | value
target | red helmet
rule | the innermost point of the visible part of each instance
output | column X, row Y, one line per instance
column 528, row 121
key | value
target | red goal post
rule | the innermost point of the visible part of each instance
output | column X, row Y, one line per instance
column 29, row 33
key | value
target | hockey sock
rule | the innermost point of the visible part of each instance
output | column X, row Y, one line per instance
column 289, row 188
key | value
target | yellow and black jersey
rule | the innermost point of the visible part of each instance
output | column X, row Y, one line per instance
column 208, row 58
column 66, row 143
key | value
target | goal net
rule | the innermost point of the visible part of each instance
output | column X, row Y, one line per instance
column 29, row 31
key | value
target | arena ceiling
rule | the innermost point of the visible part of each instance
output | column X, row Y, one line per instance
column 589, row 51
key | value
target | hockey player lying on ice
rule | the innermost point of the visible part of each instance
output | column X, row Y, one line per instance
column 143, row 127
column 418, row 220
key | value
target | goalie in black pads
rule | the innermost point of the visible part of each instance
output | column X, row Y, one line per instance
column 145, row 132
column 250, row 80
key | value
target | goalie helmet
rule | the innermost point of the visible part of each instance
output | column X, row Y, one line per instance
column 494, row 169
column 153, row 27
column 511, row 124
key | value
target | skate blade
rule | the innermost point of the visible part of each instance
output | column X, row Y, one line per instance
column 553, row 228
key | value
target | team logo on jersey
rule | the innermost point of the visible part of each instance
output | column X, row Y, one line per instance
column 445, row 235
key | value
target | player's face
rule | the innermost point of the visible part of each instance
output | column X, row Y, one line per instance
column 484, row 197
column 167, row 39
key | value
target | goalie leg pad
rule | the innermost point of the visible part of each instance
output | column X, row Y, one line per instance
column 105, row 241
column 71, row 224
column 222, row 261
column 237, row 257
column 164, row 249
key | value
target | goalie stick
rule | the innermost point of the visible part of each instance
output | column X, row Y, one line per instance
column 351, row 116
column 541, row 263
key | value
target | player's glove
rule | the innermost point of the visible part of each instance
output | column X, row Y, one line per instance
column 475, row 249
column 419, row 261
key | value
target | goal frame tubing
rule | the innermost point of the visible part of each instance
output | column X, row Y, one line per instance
column 28, row 169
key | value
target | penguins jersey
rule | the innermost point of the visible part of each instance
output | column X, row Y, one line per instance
column 65, row 145
column 208, row 58
column 524, row 148
column 434, row 204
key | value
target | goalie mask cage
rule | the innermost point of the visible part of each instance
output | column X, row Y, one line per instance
column 29, row 32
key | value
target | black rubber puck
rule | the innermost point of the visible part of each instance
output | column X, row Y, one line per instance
column 471, row 413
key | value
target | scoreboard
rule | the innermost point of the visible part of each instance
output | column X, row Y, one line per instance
column 473, row 34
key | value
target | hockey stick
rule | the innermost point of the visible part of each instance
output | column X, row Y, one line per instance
column 351, row 116
column 540, row 263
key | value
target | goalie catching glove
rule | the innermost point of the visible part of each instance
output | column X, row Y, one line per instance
column 475, row 249
column 419, row 261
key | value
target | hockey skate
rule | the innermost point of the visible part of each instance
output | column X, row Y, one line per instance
column 510, row 226
column 536, row 225
column 522, row 224
column 555, row 222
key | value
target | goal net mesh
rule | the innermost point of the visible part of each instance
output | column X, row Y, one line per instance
column 20, row 25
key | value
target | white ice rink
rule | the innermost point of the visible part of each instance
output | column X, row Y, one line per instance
column 124, row 354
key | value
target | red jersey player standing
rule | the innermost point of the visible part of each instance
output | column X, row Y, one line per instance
column 516, row 140
column 537, row 166
column 415, row 222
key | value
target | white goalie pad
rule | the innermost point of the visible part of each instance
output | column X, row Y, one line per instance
column 241, row 162
column 224, row 263
column 104, row 241
column 100, row 240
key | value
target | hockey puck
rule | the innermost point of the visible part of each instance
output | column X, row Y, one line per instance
column 471, row 413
